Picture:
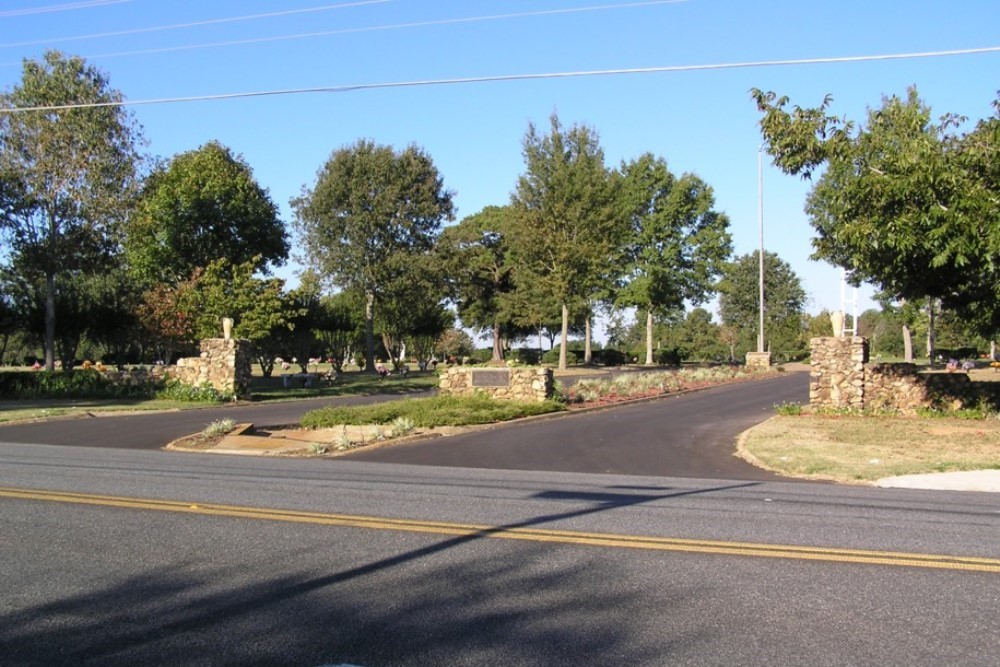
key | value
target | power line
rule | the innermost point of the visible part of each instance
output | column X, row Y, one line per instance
column 194, row 24
column 513, row 77
column 397, row 26
column 51, row 9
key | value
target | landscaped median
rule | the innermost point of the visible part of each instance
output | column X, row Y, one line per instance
column 338, row 429
column 862, row 449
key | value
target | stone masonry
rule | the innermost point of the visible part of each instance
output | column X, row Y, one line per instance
column 223, row 364
column 529, row 384
column 842, row 378
column 837, row 373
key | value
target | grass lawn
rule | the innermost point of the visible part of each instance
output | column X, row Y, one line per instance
column 863, row 449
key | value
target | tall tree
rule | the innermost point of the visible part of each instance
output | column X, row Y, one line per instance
column 370, row 212
column 784, row 301
column 201, row 206
column 678, row 242
column 566, row 227
column 905, row 202
column 68, row 174
column 476, row 257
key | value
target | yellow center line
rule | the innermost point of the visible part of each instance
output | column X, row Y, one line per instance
column 825, row 554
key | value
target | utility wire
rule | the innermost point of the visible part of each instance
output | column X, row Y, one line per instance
column 194, row 24
column 512, row 77
column 51, row 9
column 397, row 26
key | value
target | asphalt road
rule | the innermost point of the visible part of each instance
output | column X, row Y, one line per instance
column 656, row 571
column 691, row 435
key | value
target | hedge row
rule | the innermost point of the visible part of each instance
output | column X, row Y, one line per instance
column 72, row 384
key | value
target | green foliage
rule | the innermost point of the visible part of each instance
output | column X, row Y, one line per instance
column 219, row 427
column 565, row 229
column 205, row 393
column 788, row 409
column 67, row 177
column 428, row 412
column 784, row 301
column 904, row 202
column 203, row 205
column 69, row 384
column 258, row 306
column 475, row 255
column 678, row 243
column 370, row 214
column 401, row 426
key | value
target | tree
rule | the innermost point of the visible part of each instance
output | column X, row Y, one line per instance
column 904, row 202
column 257, row 306
column 68, row 174
column 784, row 300
column 201, row 206
column 678, row 243
column 337, row 326
column 166, row 315
column 565, row 225
column 370, row 212
column 476, row 257
column 454, row 344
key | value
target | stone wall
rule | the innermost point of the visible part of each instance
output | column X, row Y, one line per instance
column 837, row 373
column 841, row 378
column 530, row 384
column 223, row 364
column 758, row 359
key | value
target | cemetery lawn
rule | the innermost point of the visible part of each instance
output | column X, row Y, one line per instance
column 263, row 389
column 862, row 449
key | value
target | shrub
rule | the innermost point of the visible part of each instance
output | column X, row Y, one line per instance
column 219, row 427
column 788, row 409
column 668, row 357
column 175, row 390
column 71, row 384
column 609, row 357
column 528, row 356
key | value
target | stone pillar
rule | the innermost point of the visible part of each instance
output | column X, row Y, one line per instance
column 223, row 364
column 837, row 374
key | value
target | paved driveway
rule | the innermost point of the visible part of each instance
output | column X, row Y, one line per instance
column 691, row 435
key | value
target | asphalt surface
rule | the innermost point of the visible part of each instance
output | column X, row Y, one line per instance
column 102, row 581
column 689, row 435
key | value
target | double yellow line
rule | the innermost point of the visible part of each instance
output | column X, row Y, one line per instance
column 823, row 554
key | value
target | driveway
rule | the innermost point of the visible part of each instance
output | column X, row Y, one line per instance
column 689, row 435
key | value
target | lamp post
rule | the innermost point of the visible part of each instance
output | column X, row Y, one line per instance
column 760, row 220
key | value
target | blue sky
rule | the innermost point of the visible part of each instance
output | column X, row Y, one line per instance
column 701, row 121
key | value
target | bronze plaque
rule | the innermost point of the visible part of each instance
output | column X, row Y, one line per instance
column 490, row 378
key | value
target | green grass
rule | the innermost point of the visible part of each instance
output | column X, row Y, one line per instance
column 429, row 412
column 850, row 448
column 346, row 384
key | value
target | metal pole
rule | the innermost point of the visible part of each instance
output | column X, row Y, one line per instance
column 760, row 218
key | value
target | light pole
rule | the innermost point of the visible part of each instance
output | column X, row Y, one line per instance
column 760, row 220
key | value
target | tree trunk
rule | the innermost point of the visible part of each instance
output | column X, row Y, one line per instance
column 907, row 345
column 564, row 337
column 370, row 332
column 587, row 351
column 649, row 337
column 497, row 342
column 50, row 321
column 931, row 333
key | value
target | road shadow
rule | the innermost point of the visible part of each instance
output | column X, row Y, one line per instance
column 453, row 601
